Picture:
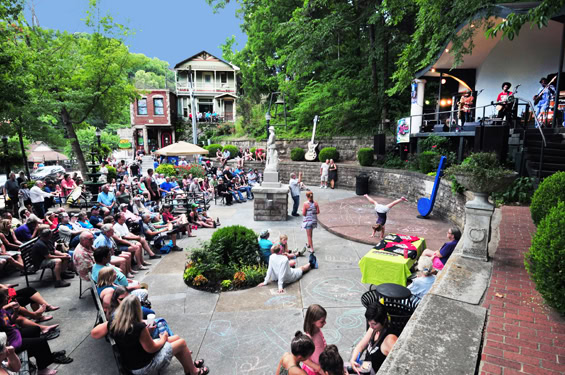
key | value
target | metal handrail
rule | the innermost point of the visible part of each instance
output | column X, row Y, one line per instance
column 543, row 144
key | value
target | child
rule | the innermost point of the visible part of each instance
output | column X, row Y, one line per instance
column 314, row 320
column 331, row 362
column 381, row 211
column 283, row 244
column 302, row 348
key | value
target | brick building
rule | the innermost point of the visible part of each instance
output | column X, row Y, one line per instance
column 152, row 119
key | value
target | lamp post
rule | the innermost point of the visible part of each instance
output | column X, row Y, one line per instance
column 98, row 134
column 7, row 165
column 268, row 120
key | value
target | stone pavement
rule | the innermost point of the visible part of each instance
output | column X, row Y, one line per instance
column 523, row 335
column 241, row 332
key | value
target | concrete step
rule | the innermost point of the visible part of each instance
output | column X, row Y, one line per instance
column 146, row 163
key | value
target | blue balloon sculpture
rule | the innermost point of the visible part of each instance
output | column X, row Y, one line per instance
column 425, row 205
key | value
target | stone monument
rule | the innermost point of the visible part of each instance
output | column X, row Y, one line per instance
column 271, row 198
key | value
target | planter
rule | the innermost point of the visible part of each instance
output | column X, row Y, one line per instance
column 482, row 188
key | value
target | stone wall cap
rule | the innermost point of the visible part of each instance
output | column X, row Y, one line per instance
column 266, row 190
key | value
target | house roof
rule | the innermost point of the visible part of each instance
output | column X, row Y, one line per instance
column 40, row 152
column 481, row 50
column 226, row 94
column 234, row 67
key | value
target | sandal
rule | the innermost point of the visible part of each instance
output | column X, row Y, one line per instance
column 50, row 335
column 44, row 319
column 52, row 308
column 203, row 371
column 199, row 363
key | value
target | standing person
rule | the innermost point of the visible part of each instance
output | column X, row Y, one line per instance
column 465, row 104
column 381, row 211
column 294, row 186
column 542, row 99
column 505, row 108
column 324, row 170
column 151, row 185
column 301, row 348
column 332, row 174
column 314, row 321
column 141, row 354
column 310, row 211
column 11, row 191
column 38, row 199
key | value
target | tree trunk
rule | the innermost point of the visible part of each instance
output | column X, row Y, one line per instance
column 24, row 157
column 373, row 63
column 385, row 62
column 68, row 123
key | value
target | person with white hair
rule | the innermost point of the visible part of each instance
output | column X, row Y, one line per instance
column 37, row 196
column 426, row 277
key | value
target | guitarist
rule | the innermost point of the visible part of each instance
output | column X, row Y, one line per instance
column 465, row 104
column 545, row 94
column 504, row 108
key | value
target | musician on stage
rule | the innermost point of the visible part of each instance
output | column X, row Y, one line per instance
column 465, row 105
column 504, row 108
column 544, row 96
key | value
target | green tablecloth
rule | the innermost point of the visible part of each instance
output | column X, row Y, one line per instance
column 379, row 266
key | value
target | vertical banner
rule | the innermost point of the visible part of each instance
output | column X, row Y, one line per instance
column 403, row 131
column 414, row 92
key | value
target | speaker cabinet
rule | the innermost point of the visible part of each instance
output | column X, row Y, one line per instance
column 492, row 138
column 379, row 144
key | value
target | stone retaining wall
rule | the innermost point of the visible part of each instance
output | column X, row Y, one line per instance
column 346, row 146
column 388, row 182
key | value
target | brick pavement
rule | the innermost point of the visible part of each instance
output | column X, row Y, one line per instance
column 523, row 335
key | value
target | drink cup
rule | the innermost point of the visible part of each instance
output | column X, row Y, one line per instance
column 150, row 319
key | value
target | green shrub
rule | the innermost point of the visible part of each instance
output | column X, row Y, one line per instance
column 213, row 148
column 548, row 194
column 456, row 187
column 520, row 191
column 232, row 149
column 235, row 244
column 392, row 161
column 428, row 161
column 112, row 173
column 366, row 156
column 252, row 150
column 545, row 261
column 297, row 154
column 167, row 169
column 328, row 153
column 435, row 143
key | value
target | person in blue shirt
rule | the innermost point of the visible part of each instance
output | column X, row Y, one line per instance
column 83, row 221
column 265, row 246
column 95, row 218
column 102, row 258
column 422, row 284
column 155, row 163
column 106, row 199
column 167, row 186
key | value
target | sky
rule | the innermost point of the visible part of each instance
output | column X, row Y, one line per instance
column 171, row 30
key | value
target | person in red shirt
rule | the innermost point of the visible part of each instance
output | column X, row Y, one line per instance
column 504, row 109
column 68, row 185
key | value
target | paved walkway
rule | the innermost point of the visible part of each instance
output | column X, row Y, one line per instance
column 241, row 332
column 523, row 335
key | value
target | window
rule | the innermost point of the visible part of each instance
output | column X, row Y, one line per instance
column 223, row 77
column 207, row 78
column 142, row 107
column 158, row 106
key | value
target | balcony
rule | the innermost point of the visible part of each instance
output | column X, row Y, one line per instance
column 218, row 88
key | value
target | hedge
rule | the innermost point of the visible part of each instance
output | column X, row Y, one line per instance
column 328, row 153
column 548, row 194
column 428, row 161
column 167, row 169
column 297, row 154
column 212, row 149
column 365, row 156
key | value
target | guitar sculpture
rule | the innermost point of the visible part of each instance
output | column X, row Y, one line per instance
column 425, row 205
column 312, row 154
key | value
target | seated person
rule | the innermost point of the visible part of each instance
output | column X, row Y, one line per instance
column 128, row 214
column 279, row 270
column 9, row 245
column 122, row 230
column 423, row 283
column 243, row 187
column 119, row 294
column 283, row 245
column 106, row 198
column 157, row 232
column 83, row 221
column 66, row 230
column 441, row 256
column 49, row 220
column 106, row 284
column 166, row 186
column 200, row 221
column 28, row 231
column 30, row 296
column 180, row 223
column 251, row 178
column 260, row 156
column 265, row 246
column 224, row 192
column 140, row 354
column 83, row 256
column 102, row 258
column 378, row 340
column 233, row 190
column 110, row 238
column 95, row 218
column 122, row 257
column 43, row 255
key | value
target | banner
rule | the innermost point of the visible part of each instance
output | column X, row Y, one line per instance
column 124, row 143
column 403, row 131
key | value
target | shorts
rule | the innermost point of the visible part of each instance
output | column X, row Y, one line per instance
column 47, row 263
column 160, row 360
column 438, row 265
column 123, row 249
column 324, row 177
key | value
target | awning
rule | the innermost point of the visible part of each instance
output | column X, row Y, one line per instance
column 181, row 149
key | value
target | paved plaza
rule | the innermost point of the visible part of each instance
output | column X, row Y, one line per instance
column 241, row 332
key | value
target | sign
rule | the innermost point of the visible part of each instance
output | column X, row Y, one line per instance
column 403, row 131
column 124, row 143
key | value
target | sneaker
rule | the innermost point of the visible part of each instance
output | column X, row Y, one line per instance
column 155, row 256
column 176, row 248
column 67, row 276
column 295, row 215
column 301, row 252
column 321, row 186
column 61, row 284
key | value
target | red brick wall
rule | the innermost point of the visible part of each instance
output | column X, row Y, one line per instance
column 169, row 105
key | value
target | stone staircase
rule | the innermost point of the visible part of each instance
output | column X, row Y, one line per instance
column 146, row 163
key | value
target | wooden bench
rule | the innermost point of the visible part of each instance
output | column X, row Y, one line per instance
column 26, row 251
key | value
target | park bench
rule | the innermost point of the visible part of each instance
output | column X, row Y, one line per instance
column 26, row 251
